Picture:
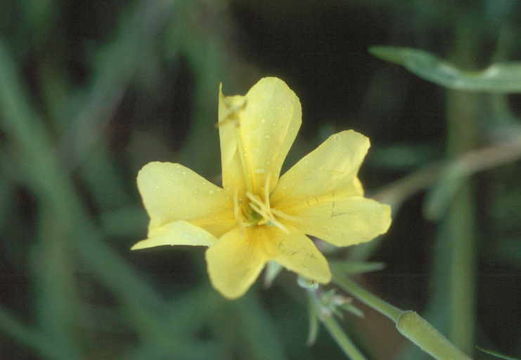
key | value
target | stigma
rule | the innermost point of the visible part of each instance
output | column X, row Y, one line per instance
column 254, row 209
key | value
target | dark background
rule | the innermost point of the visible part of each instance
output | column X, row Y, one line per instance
column 92, row 90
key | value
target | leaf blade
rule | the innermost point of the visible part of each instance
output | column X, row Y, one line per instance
column 497, row 78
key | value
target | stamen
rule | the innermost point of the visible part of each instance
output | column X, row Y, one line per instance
column 283, row 215
column 263, row 209
column 262, row 212
column 255, row 200
column 273, row 221
column 260, row 207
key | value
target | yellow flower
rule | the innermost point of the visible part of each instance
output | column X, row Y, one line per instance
column 256, row 216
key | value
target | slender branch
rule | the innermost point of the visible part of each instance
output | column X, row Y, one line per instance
column 335, row 330
column 374, row 302
column 341, row 339
column 408, row 323
column 398, row 191
column 467, row 164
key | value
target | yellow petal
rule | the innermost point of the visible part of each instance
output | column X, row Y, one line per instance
column 257, row 131
column 234, row 262
column 329, row 170
column 343, row 222
column 233, row 176
column 173, row 192
column 296, row 252
column 177, row 233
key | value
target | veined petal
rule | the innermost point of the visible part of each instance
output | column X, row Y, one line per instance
column 296, row 252
column 329, row 170
column 257, row 131
column 234, row 262
column 173, row 192
column 343, row 221
column 176, row 233
column 233, row 173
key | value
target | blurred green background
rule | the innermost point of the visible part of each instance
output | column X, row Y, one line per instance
column 92, row 90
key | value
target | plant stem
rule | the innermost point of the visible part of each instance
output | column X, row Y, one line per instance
column 426, row 337
column 325, row 314
column 408, row 323
column 463, row 110
column 31, row 338
column 374, row 302
column 341, row 339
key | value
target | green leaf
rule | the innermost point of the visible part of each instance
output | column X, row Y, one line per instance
column 497, row 78
column 30, row 337
column 496, row 354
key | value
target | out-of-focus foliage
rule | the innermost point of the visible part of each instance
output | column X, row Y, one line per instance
column 497, row 78
column 498, row 355
column 92, row 90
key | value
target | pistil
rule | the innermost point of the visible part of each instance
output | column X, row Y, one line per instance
column 262, row 208
column 258, row 209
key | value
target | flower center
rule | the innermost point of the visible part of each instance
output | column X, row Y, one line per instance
column 256, row 210
column 259, row 211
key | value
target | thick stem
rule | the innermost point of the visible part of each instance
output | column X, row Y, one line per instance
column 462, row 114
column 408, row 323
column 419, row 331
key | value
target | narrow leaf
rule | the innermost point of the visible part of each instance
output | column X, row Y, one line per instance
column 496, row 354
column 497, row 78
column 313, row 322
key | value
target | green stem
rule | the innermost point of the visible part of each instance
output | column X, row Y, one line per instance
column 408, row 323
column 426, row 337
column 31, row 338
column 463, row 110
column 327, row 318
column 341, row 338
column 374, row 302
